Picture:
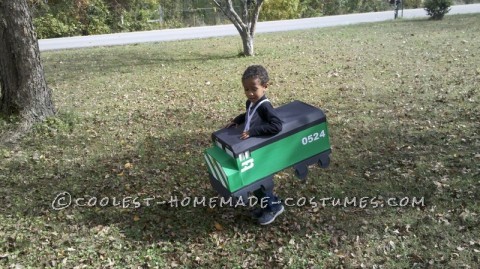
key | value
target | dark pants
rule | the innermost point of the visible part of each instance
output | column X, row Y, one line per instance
column 268, row 200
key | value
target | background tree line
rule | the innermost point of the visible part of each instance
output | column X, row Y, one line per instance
column 58, row 18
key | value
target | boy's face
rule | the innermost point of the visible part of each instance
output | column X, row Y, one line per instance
column 254, row 90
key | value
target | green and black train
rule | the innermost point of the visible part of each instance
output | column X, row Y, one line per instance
column 237, row 168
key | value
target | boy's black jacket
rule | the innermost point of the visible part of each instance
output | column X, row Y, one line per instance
column 265, row 122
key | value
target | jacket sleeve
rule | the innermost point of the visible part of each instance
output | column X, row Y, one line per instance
column 272, row 123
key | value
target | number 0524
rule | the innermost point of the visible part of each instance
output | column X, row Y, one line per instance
column 313, row 137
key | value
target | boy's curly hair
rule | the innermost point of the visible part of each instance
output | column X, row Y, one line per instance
column 256, row 71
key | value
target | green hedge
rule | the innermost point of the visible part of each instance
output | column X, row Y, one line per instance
column 58, row 18
column 436, row 9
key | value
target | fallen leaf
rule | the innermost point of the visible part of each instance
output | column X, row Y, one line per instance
column 218, row 226
column 416, row 258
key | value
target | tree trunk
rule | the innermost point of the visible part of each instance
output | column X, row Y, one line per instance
column 23, row 89
column 246, row 23
column 247, row 41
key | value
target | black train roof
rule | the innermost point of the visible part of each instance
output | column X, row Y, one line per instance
column 296, row 116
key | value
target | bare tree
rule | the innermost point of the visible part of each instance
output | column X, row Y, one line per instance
column 246, row 23
column 23, row 89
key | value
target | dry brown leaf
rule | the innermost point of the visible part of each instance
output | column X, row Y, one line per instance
column 218, row 226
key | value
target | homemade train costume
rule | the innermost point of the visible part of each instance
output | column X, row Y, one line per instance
column 237, row 168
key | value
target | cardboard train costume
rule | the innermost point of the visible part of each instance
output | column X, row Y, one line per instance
column 238, row 167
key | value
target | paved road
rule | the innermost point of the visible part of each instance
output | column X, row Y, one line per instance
column 229, row 30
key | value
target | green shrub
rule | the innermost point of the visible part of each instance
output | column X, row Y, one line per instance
column 135, row 16
column 280, row 10
column 311, row 8
column 49, row 26
column 412, row 3
column 96, row 18
column 436, row 9
column 332, row 7
column 372, row 6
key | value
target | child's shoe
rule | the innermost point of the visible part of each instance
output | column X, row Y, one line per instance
column 269, row 216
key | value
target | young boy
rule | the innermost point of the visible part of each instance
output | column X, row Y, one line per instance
column 260, row 119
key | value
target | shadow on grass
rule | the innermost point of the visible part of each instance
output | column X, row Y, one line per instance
column 170, row 176
column 162, row 168
column 106, row 61
column 151, row 200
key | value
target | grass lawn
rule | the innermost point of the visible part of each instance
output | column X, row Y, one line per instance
column 403, row 106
